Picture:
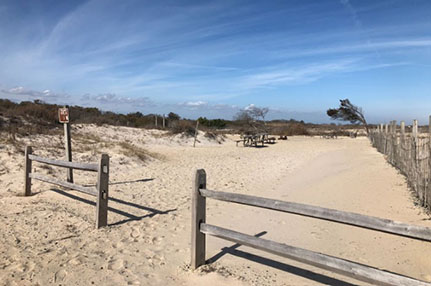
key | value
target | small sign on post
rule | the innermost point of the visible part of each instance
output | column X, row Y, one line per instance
column 63, row 117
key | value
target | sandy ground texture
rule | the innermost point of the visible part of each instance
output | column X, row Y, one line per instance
column 49, row 238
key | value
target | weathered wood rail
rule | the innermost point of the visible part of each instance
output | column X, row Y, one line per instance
column 348, row 268
column 100, row 191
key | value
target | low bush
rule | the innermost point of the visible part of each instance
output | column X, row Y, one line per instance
column 291, row 129
column 183, row 127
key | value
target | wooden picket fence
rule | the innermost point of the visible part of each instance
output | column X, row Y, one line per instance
column 348, row 268
column 409, row 152
column 100, row 191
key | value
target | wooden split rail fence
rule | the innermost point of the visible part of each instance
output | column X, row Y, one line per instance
column 348, row 268
column 100, row 191
column 409, row 152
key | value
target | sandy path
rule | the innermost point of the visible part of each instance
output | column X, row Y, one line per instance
column 48, row 239
column 353, row 178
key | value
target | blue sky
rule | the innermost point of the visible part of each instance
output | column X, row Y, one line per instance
column 212, row 58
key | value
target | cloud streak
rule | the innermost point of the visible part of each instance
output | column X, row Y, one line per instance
column 23, row 92
column 209, row 52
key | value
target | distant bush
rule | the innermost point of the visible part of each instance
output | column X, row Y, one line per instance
column 183, row 127
column 212, row 123
column 38, row 117
column 43, row 117
column 291, row 129
column 173, row 116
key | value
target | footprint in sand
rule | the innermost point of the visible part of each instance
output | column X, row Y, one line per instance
column 316, row 235
column 21, row 268
column 75, row 261
column 60, row 275
column 153, row 240
column 118, row 245
column 135, row 233
column 116, row 264
column 156, row 240
column 11, row 283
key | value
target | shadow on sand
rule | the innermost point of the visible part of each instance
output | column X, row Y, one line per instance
column 130, row 217
column 123, row 182
column 319, row 278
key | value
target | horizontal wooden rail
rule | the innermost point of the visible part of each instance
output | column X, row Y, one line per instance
column 341, row 266
column 368, row 222
column 87, row 190
column 66, row 164
column 101, row 192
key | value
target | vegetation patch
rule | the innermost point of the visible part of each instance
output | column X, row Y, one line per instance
column 133, row 151
column 183, row 127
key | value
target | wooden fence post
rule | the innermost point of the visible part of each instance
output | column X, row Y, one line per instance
column 385, row 149
column 394, row 142
column 196, row 132
column 102, row 192
column 198, row 246
column 429, row 126
column 415, row 158
column 27, row 170
column 403, row 146
column 68, row 147
column 428, row 188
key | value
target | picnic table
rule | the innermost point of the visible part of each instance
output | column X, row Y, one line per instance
column 255, row 139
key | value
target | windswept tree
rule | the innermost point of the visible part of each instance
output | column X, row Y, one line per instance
column 244, row 117
column 258, row 113
column 348, row 112
column 252, row 116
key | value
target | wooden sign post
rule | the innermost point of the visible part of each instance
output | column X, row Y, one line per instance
column 196, row 133
column 63, row 117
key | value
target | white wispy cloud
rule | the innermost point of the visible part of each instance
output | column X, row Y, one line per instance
column 295, row 75
column 21, row 91
column 112, row 99
column 195, row 103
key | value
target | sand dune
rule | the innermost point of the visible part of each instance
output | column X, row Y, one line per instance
column 49, row 238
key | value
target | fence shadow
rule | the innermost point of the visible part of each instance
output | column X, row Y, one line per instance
column 319, row 278
column 132, row 181
column 130, row 217
column 124, row 182
column 228, row 250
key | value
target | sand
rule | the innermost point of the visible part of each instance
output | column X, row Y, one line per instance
column 49, row 238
